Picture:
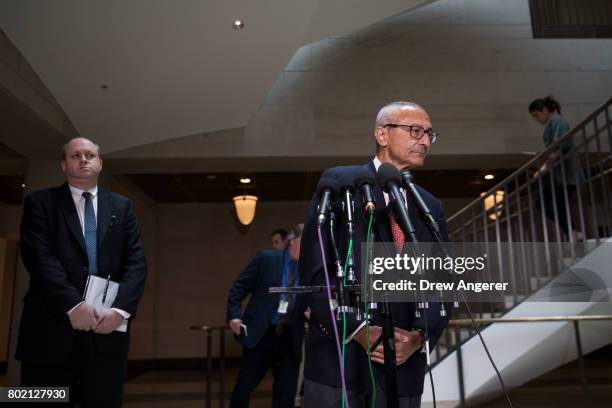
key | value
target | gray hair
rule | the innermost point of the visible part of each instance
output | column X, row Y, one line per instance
column 295, row 232
column 386, row 112
column 64, row 147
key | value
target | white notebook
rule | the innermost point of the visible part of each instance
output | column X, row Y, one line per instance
column 101, row 293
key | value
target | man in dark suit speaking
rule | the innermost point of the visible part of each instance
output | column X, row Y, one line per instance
column 265, row 328
column 403, row 136
column 69, row 235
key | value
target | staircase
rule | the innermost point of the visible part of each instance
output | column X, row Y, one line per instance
column 513, row 213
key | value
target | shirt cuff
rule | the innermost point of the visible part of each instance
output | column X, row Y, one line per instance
column 354, row 333
column 123, row 313
column 75, row 306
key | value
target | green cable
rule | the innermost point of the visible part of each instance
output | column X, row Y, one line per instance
column 365, row 308
column 348, row 254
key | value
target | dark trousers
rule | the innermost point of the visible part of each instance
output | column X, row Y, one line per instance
column 274, row 352
column 404, row 402
column 95, row 379
column 317, row 395
column 556, row 195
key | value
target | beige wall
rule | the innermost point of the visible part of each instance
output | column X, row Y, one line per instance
column 9, row 231
column 200, row 250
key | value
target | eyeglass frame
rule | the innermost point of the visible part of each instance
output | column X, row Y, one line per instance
column 433, row 136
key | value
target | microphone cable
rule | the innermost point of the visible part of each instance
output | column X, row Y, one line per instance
column 484, row 345
column 366, row 289
column 433, row 389
column 333, row 318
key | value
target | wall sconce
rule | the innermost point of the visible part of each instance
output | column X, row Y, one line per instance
column 245, row 208
column 491, row 200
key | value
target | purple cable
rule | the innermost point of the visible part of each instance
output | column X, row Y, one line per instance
column 333, row 319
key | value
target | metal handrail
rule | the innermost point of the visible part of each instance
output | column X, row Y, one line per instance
column 536, row 319
column 208, row 331
column 541, row 209
column 537, row 158
column 533, row 319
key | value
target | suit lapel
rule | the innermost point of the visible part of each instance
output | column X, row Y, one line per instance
column 104, row 214
column 70, row 214
column 383, row 227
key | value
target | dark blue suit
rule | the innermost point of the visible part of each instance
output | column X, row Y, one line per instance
column 263, row 347
column 321, row 356
column 53, row 251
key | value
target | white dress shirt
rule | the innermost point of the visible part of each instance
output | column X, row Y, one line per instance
column 377, row 164
column 79, row 203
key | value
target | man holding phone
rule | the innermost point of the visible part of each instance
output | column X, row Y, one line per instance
column 265, row 328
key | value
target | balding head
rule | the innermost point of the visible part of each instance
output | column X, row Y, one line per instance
column 396, row 123
column 78, row 139
column 81, row 163
column 389, row 112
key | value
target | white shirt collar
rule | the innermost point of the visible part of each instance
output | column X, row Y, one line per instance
column 377, row 162
column 77, row 193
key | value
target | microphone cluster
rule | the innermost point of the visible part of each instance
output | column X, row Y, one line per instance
column 343, row 190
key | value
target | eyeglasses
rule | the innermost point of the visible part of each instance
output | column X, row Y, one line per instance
column 417, row 132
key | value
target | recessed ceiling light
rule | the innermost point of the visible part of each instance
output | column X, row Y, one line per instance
column 245, row 180
column 238, row 25
column 489, row 176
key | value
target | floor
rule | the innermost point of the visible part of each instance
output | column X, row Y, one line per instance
column 186, row 388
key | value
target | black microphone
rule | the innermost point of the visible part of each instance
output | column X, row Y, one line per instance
column 364, row 182
column 390, row 180
column 410, row 185
column 347, row 185
column 327, row 188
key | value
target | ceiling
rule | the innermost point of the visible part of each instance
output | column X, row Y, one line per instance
column 132, row 72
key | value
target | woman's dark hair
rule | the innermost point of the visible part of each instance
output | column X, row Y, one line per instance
column 548, row 103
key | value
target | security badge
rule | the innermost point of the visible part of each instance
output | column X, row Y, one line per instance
column 282, row 306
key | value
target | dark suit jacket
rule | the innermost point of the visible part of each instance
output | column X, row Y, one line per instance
column 263, row 272
column 321, row 355
column 53, row 252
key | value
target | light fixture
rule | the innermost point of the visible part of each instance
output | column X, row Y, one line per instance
column 238, row 25
column 245, row 208
column 23, row 185
column 489, row 176
column 245, row 180
column 490, row 202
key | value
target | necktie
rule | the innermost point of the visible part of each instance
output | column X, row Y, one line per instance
column 91, row 241
column 289, row 298
column 398, row 235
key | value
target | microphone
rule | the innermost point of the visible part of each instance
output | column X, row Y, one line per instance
column 410, row 185
column 328, row 188
column 431, row 221
column 347, row 191
column 389, row 178
column 348, row 188
column 364, row 182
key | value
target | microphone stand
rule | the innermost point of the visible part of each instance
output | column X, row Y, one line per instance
column 340, row 290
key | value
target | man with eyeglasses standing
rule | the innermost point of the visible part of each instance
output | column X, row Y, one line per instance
column 403, row 136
